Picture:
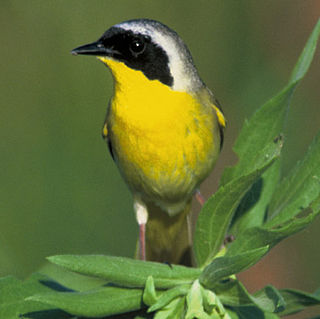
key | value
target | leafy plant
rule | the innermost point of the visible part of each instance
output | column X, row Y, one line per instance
column 251, row 203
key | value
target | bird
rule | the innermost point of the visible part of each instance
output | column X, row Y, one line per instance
column 164, row 129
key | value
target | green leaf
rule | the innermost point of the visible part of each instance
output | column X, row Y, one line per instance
column 140, row 314
column 306, row 56
column 127, row 272
column 269, row 299
column 263, row 127
column 223, row 267
column 100, row 302
column 297, row 300
column 149, row 293
column 299, row 189
column 13, row 293
column 267, row 123
column 70, row 279
column 167, row 296
column 252, row 312
column 252, row 209
column 195, row 303
column 232, row 293
column 262, row 236
column 216, row 214
column 232, row 314
column 173, row 310
column 211, row 303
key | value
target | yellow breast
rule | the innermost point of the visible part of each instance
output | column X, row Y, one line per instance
column 165, row 142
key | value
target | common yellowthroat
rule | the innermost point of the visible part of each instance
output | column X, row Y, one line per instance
column 163, row 127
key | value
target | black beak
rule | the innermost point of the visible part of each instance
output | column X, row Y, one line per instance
column 95, row 48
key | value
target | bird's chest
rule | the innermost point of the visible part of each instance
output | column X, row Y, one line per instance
column 161, row 136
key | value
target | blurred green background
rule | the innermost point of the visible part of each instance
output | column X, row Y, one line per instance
column 60, row 191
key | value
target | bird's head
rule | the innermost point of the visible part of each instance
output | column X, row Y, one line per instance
column 150, row 47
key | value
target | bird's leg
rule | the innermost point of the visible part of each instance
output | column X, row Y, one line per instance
column 142, row 241
column 142, row 218
column 199, row 197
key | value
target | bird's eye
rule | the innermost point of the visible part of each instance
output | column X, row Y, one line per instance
column 137, row 46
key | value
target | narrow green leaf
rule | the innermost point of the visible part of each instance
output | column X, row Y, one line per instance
column 211, row 303
column 100, row 302
column 149, row 293
column 261, row 236
column 306, row 56
column 269, row 299
column 127, row 272
column 297, row 300
column 223, row 267
column 168, row 296
column 216, row 214
column 70, row 279
column 299, row 189
column 13, row 293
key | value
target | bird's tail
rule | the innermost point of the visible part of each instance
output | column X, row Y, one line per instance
column 168, row 239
